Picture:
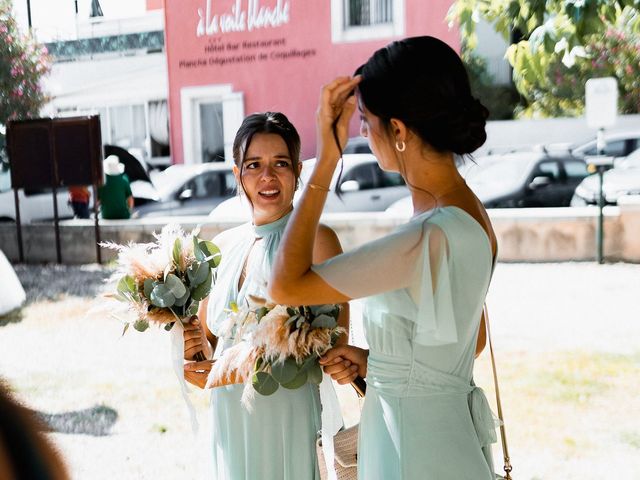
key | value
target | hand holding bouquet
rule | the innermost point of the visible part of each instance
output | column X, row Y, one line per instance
column 280, row 346
column 164, row 281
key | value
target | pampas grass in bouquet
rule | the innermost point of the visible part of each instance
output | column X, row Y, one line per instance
column 164, row 281
column 275, row 346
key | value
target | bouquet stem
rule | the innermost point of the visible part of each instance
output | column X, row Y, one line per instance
column 199, row 357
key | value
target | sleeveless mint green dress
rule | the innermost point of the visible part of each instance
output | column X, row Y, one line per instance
column 276, row 440
column 424, row 287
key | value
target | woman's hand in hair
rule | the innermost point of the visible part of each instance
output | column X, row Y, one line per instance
column 336, row 107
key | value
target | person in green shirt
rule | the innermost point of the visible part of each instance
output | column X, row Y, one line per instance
column 116, row 200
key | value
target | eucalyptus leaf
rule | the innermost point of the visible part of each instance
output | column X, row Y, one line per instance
column 193, row 308
column 264, row 383
column 309, row 361
column 314, row 374
column 202, row 290
column 126, row 285
column 200, row 274
column 284, row 372
column 169, row 326
column 182, row 301
column 292, row 311
column 148, row 287
column 141, row 325
column 324, row 321
column 211, row 252
column 175, row 285
column 177, row 253
column 191, row 271
column 328, row 309
column 200, row 256
column 299, row 380
column 261, row 312
column 161, row 296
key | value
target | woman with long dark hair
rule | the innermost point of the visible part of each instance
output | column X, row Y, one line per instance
column 424, row 284
column 276, row 439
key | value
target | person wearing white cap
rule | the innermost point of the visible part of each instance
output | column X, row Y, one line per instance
column 116, row 200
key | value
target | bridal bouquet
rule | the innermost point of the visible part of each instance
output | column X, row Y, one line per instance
column 280, row 346
column 164, row 281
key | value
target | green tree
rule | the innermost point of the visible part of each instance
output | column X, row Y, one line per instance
column 501, row 100
column 557, row 45
column 23, row 63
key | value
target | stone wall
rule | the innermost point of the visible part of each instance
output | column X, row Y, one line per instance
column 524, row 235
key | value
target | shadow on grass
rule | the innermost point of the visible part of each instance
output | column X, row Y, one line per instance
column 96, row 421
column 52, row 282
column 14, row 316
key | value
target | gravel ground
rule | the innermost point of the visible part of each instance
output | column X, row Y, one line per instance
column 566, row 340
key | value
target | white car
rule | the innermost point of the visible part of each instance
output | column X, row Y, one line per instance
column 35, row 205
column 363, row 187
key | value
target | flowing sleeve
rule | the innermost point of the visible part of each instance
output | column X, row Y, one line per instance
column 415, row 258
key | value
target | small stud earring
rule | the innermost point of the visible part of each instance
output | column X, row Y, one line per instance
column 401, row 146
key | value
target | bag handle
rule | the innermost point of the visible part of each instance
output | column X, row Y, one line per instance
column 503, row 433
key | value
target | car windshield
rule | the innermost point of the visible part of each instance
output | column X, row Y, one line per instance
column 510, row 169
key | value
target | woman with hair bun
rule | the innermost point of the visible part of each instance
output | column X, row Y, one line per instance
column 424, row 284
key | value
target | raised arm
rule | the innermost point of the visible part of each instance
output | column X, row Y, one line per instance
column 292, row 281
column 327, row 245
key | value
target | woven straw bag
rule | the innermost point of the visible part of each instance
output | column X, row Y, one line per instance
column 345, row 446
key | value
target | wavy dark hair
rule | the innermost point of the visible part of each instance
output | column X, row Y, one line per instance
column 423, row 82
column 267, row 122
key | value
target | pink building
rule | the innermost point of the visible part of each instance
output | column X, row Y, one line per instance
column 229, row 58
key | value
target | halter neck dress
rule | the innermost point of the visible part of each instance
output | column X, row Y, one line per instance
column 276, row 440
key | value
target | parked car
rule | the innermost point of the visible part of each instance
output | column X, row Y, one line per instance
column 190, row 190
column 519, row 179
column 363, row 187
column 357, row 145
column 37, row 204
column 624, row 179
column 618, row 144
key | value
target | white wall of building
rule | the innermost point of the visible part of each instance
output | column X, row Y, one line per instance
column 492, row 47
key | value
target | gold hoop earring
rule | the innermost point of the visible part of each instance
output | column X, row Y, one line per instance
column 401, row 146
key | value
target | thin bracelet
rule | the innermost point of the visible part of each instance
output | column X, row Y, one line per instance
column 318, row 187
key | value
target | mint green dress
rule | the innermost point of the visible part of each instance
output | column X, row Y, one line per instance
column 276, row 440
column 424, row 287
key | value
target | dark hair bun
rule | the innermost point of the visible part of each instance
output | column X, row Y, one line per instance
column 423, row 82
column 461, row 129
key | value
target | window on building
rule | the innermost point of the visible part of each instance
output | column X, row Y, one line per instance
column 361, row 20
column 368, row 12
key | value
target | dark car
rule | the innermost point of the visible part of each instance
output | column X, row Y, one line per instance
column 518, row 179
column 526, row 179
